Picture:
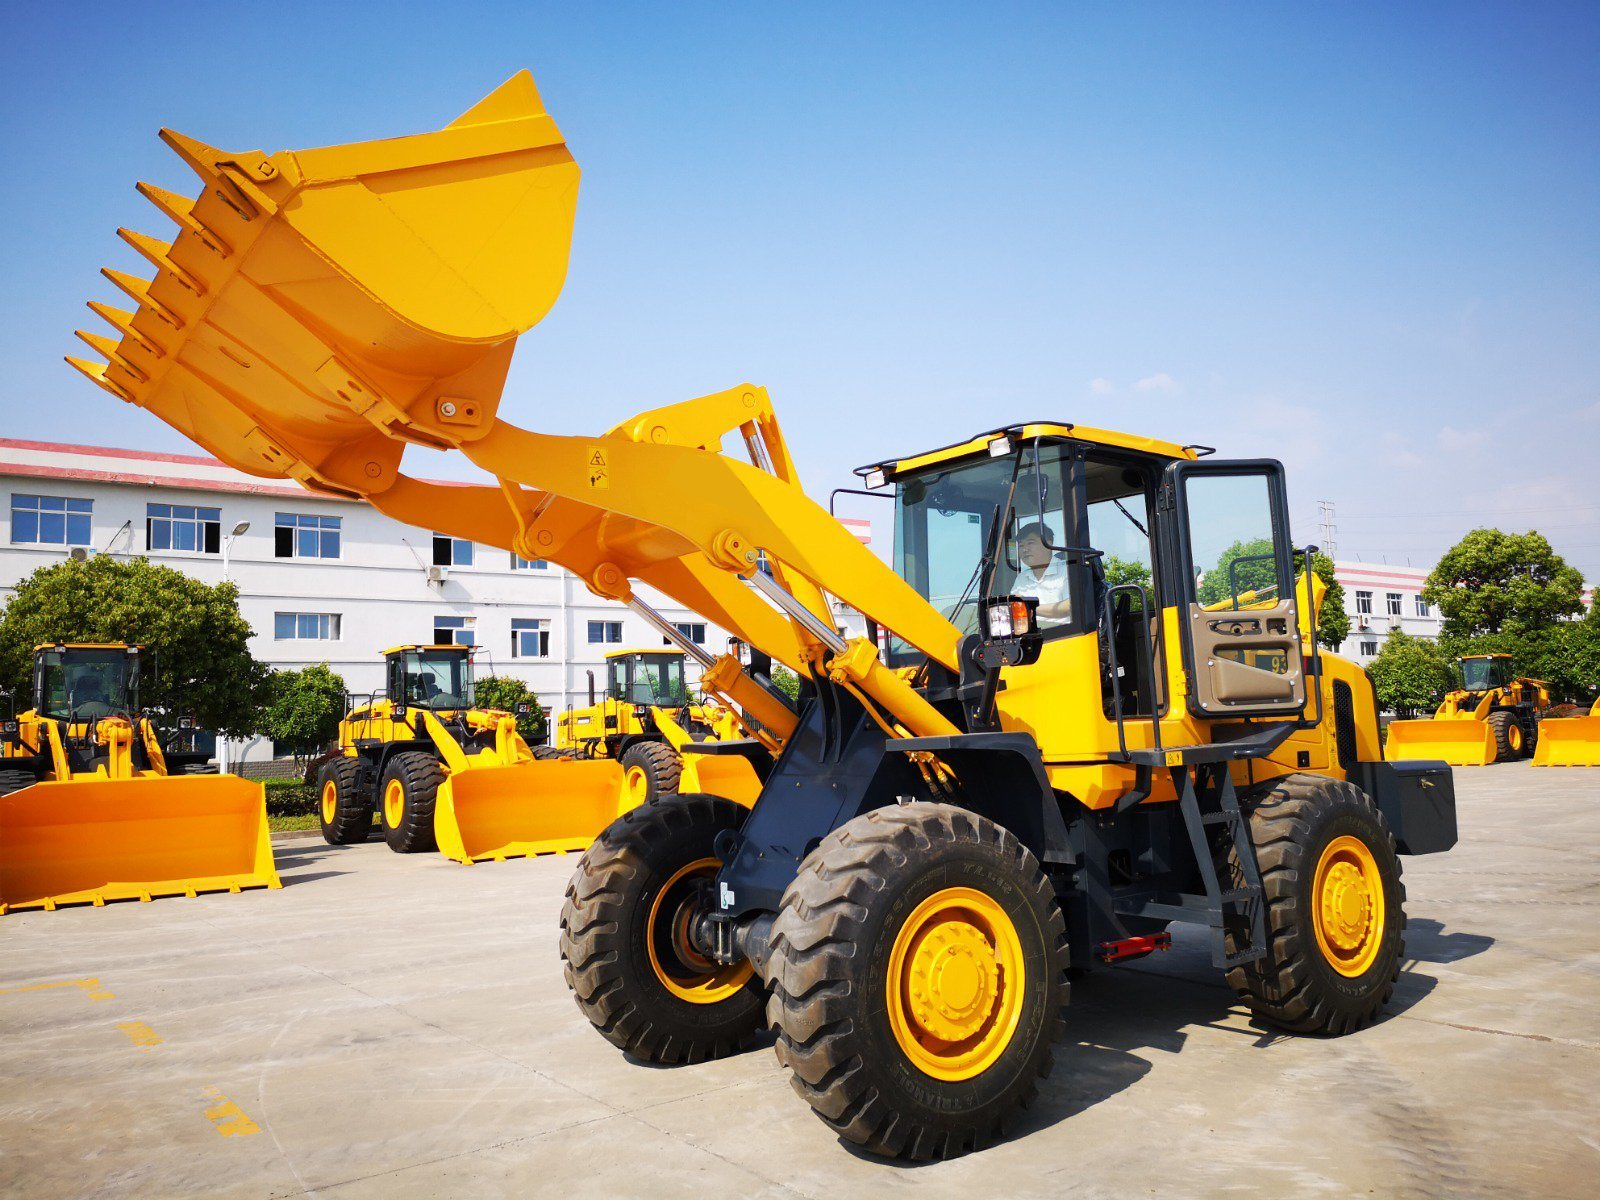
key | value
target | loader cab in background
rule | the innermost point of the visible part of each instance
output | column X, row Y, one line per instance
column 439, row 678
column 647, row 677
column 1484, row 672
column 81, row 683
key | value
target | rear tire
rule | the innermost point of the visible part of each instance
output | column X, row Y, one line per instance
column 918, row 977
column 15, row 781
column 622, row 944
column 343, row 811
column 1509, row 742
column 1335, row 908
column 406, row 799
column 651, row 770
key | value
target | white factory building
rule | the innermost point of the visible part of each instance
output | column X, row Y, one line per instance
column 320, row 579
column 1380, row 598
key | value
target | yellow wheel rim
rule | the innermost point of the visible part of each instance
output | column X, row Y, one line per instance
column 955, row 984
column 1348, row 906
column 394, row 803
column 330, row 802
column 682, row 969
column 637, row 784
column 1514, row 738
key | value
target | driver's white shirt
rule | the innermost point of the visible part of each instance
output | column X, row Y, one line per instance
column 1050, row 588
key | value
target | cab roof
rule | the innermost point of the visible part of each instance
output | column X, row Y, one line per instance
column 128, row 646
column 1470, row 657
column 1058, row 430
column 632, row 650
column 449, row 646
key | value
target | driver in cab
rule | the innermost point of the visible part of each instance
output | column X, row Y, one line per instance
column 1042, row 575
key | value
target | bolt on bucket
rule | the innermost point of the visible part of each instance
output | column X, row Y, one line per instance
column 541, row 807
column 310, row 292
column 87, row 841
column 1460, row 743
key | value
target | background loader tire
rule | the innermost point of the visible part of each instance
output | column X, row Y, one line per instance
column 15, row 781
column 352, row 807
column 407, row 813
column 626, row 908
column 1509, row 742
column 551, row 754
column 861, row 953
column 1325, row 970
column 658, row 765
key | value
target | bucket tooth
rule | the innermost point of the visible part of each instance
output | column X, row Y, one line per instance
column 109, row 347
column 516, row 97
column 159, row 254
column 138, row 290
column 180, row 209
column 96, row 373
column 202, row 159
column 121, row 320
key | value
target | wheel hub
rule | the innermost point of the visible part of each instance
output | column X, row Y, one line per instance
column 1348, row 907
column 952, row 980
column 330, row 802
column 638, row 784
column 394, row 803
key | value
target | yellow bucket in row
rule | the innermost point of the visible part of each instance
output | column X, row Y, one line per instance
column 1464, row 743
column 1569, row 742
column 89, row 841
column 492, row 813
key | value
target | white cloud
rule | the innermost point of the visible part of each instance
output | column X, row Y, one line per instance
column 1159, row 382
column 1102, row 387
column 1462, row 441
column 1397, row 451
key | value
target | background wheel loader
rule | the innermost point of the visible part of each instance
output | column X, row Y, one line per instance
column 443, row 774
column 1569, row 741
column 665, row 743
column 1019, row 770
column 96, row 812
column 1493, row 717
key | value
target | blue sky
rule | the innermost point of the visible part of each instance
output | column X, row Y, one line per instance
column 1362, row 238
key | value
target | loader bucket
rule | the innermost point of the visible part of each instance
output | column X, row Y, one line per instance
column 727, row 775
column 543, row 807
column 1568, row 742
column 310, row 294
column 1459, row 743
column 87, row 841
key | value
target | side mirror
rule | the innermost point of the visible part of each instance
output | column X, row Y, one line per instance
column 1011, row 636
column 186, row 723
column 400, row 712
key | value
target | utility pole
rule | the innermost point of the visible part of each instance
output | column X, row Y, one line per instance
column 1327, row 527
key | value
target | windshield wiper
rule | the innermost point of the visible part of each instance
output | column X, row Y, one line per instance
column 1131, row 517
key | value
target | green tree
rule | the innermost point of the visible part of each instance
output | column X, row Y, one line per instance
column 1565, row 654
column 1259, row 572
column 505, row 693
column 1492, row 582
column 787, row 682
column 303, row 709
column 1126, row 570
column 198, row 657
column 1409, row 673
column 1333, row 623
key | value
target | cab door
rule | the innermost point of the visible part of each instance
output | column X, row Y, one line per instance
column 1239, row 625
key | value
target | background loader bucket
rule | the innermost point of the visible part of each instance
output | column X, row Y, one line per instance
column 91, row 840
column 531, row 808
column 311, row 294
column 727, row 775
column 1459, row 743
column 1568, row 742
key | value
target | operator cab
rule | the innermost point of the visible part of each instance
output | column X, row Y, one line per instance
column 647, row 678
column 433, row 677
column 85, row 682
column 1481, row 672
column 1104, row 531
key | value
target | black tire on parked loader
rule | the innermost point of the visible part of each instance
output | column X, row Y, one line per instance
column 651, row 770
column 344, row 810
column 1509, row 742
column 1335, row 907
column 406, row 799
column 15, row 781
column 918, row 978
column 624, row 940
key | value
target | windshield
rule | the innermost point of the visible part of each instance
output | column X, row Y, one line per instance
column 654, row 679
column 945, row 519
column 438, row 680
column 1481, row 674
column 85, row 684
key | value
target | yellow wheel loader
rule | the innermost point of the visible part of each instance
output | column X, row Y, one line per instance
column 1019, row 771
column 665, row 743
column 1570, row 741
column 443, row 774
column 1493, row 717
column 92, row 810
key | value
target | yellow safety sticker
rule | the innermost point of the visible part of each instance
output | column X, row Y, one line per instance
column 1174, row 758
column 599, row 469
column 227, row 1118
column 140, row 1034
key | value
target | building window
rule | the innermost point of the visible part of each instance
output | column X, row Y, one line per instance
column 183, row 527
column 1364, row 603
column 50, row 520
column 1393, row 599
column 306, row 627
column 695, row 631
column 530, row 638
column 601, row 632
column 451, row 552
column 1369, row 648
column 518, row 563
column 298, row 535
column 1422, row 607
column 457, row 631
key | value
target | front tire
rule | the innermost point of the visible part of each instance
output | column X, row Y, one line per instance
column 406, row 799
column 343, row 811
column 918, row 978
column 624, row 943
column 1509, row 742
column 1335, row 908
column 651, row 770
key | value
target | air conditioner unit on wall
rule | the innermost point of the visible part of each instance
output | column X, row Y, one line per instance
column 1363, row 623
column 438, row 574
